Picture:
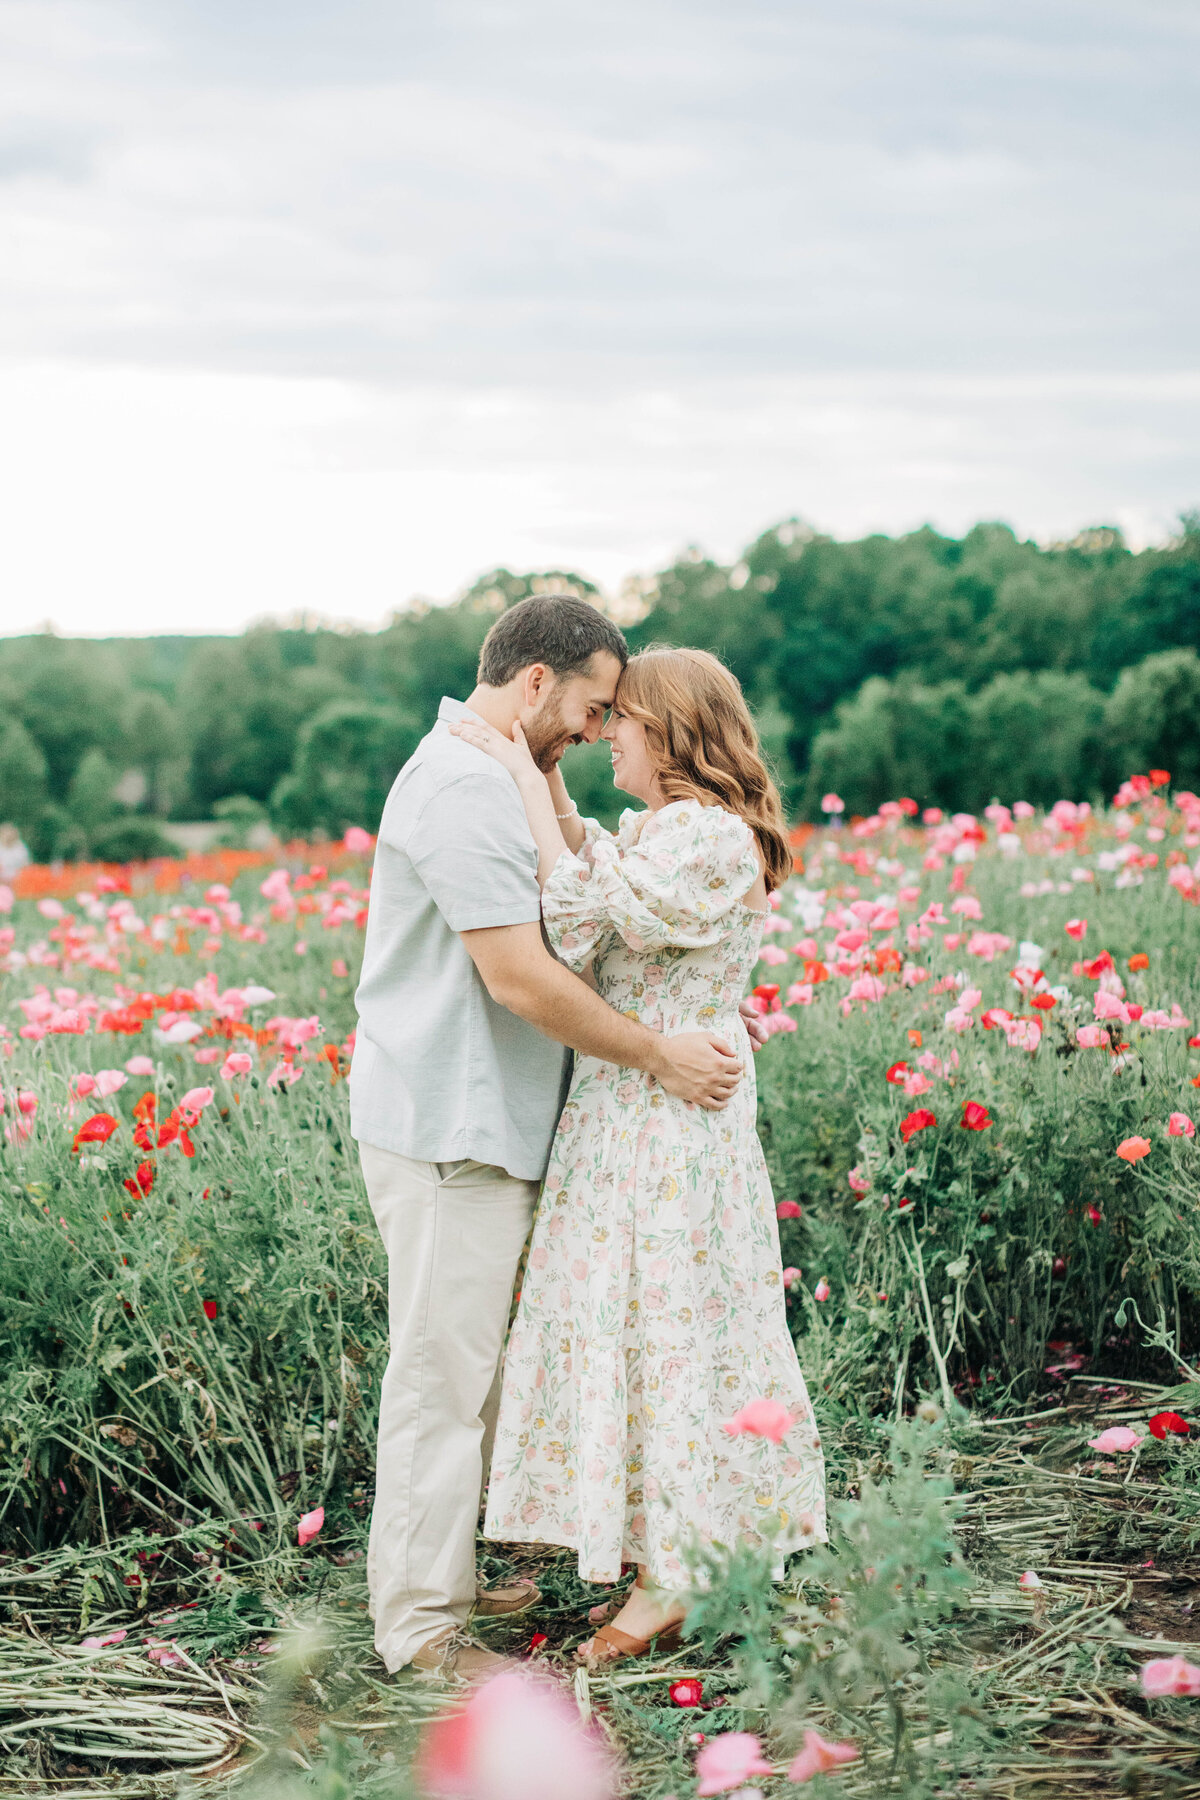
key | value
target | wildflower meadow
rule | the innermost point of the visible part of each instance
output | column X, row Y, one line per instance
column 978, row 1100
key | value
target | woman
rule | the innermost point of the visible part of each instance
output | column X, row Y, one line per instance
column 652, row 1308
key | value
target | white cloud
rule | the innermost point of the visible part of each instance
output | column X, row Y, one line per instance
column 317, row 304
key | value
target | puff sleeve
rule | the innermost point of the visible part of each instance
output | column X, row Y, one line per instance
column 671, row 879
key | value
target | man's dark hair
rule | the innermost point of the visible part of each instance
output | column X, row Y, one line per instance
column 556, row 629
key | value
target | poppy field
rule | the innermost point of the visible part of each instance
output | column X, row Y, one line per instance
column 978, row 1101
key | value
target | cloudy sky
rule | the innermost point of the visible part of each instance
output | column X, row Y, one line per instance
column 320, row 304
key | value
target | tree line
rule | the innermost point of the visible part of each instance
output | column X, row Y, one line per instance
column 954, row 670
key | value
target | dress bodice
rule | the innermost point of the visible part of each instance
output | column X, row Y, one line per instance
column 658, row 910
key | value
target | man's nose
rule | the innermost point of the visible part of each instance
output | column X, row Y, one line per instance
column 592, row 730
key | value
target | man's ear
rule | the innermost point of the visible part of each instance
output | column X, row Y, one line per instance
column 537, row 679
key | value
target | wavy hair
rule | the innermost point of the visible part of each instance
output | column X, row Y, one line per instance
column 702, row 742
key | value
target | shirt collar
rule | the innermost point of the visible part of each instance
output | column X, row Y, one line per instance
column 452, row 710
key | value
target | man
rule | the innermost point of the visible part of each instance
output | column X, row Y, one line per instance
column 466, row 1021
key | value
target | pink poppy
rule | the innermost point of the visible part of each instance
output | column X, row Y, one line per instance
column 822, row 1290
column 818, row 1756
column 310, row 1525
column 140, row 1065
column 1179, row 1125
column 1076, row 928
column 727, row 1761
column 514, row 1735
column 1117, row 1437
column 1170, row 1675
column 761, row 1418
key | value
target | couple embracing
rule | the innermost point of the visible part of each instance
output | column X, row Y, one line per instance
column 505, row 932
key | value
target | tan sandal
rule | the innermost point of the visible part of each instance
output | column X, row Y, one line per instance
column 619, row 1644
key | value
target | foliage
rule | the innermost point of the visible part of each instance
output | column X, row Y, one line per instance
column 950, row 669
column 192, row 1344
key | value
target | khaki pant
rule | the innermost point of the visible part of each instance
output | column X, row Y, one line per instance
column 454, row 1233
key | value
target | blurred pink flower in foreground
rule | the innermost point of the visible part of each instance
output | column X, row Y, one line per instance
column 1180, row 1125
column 357, row 841
column 310, row 1525
column 236, row 1063
column 761, row 1418
column 1117, row 1437
column 726, row 1761
column 516, row 1738
column 1170, row 1675
column 140, row 1065
column 818, row 1756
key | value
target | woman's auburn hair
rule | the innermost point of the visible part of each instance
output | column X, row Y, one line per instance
column 703, row 744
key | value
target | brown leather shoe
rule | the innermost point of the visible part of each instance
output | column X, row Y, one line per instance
column 512, row 1597
column 453, row 1656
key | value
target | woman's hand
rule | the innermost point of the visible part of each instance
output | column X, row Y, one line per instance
column 512, row 752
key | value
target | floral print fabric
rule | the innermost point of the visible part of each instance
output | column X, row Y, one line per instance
column 652, row 1307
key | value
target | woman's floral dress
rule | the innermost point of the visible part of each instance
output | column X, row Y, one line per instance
column 652, row 1307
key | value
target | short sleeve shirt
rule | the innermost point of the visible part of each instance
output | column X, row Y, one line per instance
column 440, row 1071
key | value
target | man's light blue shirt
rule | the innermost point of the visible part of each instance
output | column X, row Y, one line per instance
column 440, row 1071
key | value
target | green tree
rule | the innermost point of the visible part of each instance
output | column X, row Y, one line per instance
column 22, row 777
column 1037, row 737
column 698, row 602
column 895, row 738
column 91, row 800
column 346, row 760
column 1152, row 719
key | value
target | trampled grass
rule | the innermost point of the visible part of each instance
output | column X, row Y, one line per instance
column 191, row 1344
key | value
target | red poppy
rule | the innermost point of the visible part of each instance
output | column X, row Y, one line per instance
column 145, row 1108
column 1096, row 967
column 537, row 1641
column 1159, row 777
column 766, row 990
column 1135, row 1012
column 896, row 1074
column 1165, row 1422
column 975, row 1117
column 914, row 1038
column 96, row 1130
column 1139, row 961
column 140, row 1183
column 688, row 1692
column 789, row 1209
column 1043, row 1002
column 1094, row 1215
column 210, row 1310
column 916, row 1121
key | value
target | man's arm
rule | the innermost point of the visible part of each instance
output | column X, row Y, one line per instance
column 520, row 974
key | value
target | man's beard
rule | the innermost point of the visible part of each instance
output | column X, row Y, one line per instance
column 545, row 736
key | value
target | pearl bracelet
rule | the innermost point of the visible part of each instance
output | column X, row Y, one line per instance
column 570, row 810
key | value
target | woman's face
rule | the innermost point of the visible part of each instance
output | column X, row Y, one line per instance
column 633, row 771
